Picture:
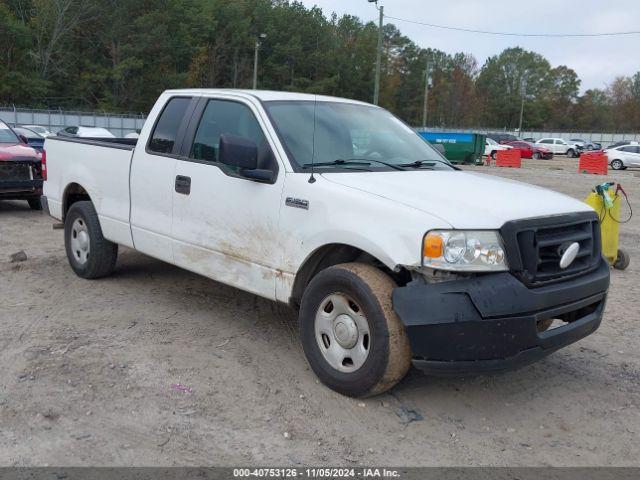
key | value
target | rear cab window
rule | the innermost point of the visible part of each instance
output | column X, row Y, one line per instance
column 165, row 133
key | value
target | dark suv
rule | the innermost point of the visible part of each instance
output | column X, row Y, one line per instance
column 22, row 168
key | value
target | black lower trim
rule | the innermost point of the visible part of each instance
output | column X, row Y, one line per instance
column 45, row 205
column 491, row 322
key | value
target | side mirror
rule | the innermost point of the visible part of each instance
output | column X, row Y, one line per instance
column 238, row 152
column 23, row 139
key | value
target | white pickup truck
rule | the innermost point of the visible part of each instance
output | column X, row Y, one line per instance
column 391, row 255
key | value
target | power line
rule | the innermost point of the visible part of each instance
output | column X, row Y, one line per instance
column 514, row 34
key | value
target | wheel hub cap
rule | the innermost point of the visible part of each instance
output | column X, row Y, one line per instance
column 83, row 240
column 346, row 331
column 342, row 333
column 80, row 242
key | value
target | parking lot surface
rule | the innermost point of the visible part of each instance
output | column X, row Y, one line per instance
column 158, row 366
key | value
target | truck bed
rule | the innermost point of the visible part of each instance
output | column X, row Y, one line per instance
column 101, row 166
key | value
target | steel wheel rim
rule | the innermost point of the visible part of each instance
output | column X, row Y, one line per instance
column 80, row 241
column 342, row 333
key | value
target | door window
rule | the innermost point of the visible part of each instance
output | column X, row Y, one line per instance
column 165, row 132
column 631, row 149
column 223, row 116
column 546, row 141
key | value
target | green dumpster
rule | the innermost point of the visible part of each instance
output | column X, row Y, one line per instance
column 459, row 147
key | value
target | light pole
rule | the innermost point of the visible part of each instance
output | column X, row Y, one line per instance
column 261, row 37
column 523, row 92
column 427, row 85
column 376, row 87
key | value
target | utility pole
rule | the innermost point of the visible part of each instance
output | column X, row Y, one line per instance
column 376, row 88
column 523, row 90
column 427, row 86
column 262, row 36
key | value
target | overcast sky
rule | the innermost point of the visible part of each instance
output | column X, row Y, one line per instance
column 597, row 61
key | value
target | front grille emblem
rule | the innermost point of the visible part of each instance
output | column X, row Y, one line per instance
column 568, row 254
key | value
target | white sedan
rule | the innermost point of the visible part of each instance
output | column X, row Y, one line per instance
column 624, row 156
column 491, row 148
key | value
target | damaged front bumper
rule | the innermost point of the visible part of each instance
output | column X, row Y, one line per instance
column 492, row 322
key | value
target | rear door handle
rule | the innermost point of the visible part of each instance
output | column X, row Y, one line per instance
column 183, row 185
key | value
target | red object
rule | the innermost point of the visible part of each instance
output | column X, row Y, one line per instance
column 593, row 162
column 527, row 150
column 508, row 158
column 43, row 165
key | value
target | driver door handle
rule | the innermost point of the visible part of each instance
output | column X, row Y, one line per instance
column 183, row 185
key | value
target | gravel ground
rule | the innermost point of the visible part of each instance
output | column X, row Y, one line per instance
column 158, row 366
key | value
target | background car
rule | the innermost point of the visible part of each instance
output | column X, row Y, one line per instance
column 21, row 173
column 560, row 146
column 622, row 143
column 491, row 148
column 32, row 138
column 530, row 139
column 85, row 132
column 531, row 150
column 39, row 129
column 586, row 144
column 502, row 137
column 624, row 156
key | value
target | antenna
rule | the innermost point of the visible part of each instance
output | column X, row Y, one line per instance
column 312, row 179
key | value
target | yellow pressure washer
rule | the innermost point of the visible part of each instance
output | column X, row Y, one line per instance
column 608, row 207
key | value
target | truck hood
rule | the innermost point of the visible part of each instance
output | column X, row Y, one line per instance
column 462, row 199
column 13, row 151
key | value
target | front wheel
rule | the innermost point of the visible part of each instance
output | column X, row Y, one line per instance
column 494, row 155
column 571, row 153
column 351, row 336
column 90, row 254
column 617, row 164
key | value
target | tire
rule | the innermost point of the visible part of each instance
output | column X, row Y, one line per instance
column 536, row 156
column 571, row 153
column 494, row 155
column 81, row 226
column 35, row 203
column 368, row 292
column 623, row 260
column 589, row 147
column 617, row 164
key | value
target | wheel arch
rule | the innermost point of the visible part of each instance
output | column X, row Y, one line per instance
column 74, row 192
column 331, row 254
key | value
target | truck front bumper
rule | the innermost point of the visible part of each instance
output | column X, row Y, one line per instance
column 492, row 322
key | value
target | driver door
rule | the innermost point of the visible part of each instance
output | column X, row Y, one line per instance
column 225, row 226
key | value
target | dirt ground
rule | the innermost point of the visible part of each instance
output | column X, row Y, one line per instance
column 158, row 366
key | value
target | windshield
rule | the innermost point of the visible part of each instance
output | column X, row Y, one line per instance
column 347, row 133
column 491, row 141
column 6, row 135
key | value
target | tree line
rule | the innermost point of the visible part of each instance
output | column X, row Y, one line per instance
column 118, row 55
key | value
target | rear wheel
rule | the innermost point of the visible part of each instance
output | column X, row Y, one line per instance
column 617, row 164
column 90, row 254
column 352, row 338
column 536, row 156
column 35, row 203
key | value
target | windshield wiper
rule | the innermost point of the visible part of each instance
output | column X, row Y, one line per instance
column 427, row 163
column 354, row 161
column 339, row 162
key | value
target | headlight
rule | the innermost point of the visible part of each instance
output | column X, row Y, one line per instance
column 464, row 250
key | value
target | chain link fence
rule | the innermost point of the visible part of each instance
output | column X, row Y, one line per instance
column 55, row 120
